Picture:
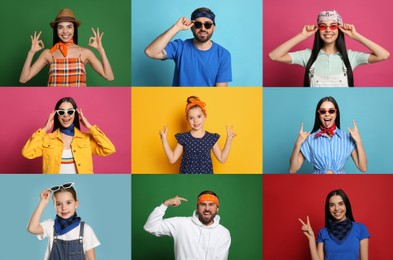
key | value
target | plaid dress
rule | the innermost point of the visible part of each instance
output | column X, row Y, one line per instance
column 67, row 72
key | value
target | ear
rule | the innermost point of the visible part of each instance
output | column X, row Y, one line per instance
column 76, row 204
column 218, row 208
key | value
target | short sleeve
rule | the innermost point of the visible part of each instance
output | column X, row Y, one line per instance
column 47, row 226
column 89, row 239
column 215, row 137
column 363, row 232
column 180, row 137
column 300, row 57
column 321, row 235
column 225, row 70
column 172, row 48
column 357, row 58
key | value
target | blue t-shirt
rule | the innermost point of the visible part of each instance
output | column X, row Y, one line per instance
column 349, row 249
column 195, row 67
column 196, row 152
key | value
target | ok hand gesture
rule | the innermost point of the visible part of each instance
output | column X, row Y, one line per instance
column 36, row 43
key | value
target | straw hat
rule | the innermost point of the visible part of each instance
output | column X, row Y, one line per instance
column 65, row 15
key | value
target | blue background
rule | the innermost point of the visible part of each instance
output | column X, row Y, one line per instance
column 284, row 110
column 104, row 203
column 238, row 29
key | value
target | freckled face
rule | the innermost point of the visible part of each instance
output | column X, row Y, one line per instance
column 327, row 119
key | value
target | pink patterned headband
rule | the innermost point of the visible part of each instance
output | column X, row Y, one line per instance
column 330, row 15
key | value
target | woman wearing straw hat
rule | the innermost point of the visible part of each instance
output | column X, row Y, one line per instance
column 66, row 59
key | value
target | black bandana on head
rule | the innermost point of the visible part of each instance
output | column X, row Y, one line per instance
column 62, row 225
column 339, row 230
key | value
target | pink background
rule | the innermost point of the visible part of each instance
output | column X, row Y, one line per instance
column 283, row 19
column 288, row 197
column 25, row 109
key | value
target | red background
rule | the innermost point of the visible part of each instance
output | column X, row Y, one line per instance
column 288, row 197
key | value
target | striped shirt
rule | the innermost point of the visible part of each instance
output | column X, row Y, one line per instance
column 67, row 165
column 326, row 154
column 67, row 72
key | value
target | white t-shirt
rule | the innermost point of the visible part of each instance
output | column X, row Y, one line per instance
column 89, row 237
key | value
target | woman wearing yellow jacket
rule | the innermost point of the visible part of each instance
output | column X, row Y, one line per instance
column 66, row 149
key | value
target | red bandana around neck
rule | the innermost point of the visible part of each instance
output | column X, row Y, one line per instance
column 324, row 130
column 62, row 46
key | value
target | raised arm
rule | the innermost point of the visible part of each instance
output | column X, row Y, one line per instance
column 29, row 71
column 358, row 154
column 222, row 155
column 378, row 53
column 280, row 53
column 34, row 226
column 174, row 155
column 104, row 68
column 316, row 252
column 156, row 49
column 297, row 158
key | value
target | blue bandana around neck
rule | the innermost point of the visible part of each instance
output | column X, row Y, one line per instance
column 63, row 226
column 69, row 130
column 339, row 230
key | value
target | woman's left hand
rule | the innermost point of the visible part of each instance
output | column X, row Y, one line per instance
column 355, row 133
column 348, row 29
column 83, row 119
column 230, row 133
column 96, row 40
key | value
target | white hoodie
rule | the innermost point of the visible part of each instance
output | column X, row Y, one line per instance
column 193, row 240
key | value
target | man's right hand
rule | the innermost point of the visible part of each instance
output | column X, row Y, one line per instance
column 174, row 202
column 184, row 24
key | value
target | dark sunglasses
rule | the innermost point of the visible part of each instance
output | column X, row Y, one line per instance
column 62, row 112
column 324, row 27
column 64, row 186
column 207, row 25
column 324, row 111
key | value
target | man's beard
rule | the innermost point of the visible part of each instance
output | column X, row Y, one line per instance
column 206, row 221
column 202, row 40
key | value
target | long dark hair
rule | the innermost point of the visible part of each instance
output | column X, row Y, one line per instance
column 56, row 38
column 341, row 47
column 317, row 122
column 56, row 123
column 348, row 207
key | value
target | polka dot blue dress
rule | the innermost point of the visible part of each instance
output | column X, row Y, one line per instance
column 196, row 152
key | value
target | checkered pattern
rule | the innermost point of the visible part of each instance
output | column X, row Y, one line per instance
column 68, row 72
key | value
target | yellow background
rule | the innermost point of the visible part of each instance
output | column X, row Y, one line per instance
column 155, row 107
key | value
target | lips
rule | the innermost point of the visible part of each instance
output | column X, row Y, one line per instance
column 327, row 121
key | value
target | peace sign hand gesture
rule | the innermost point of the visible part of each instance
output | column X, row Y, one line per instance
column 306, row 228
column 230, row 133
column 355, row 133
column 36, row 43
column 302, row 136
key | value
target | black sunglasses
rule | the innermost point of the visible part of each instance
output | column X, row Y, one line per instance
column 64, row 186
column 207, row 25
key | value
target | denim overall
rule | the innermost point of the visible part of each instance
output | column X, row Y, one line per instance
column 68, row 250
column 340, row 80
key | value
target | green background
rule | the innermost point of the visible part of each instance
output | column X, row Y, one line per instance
column 240, row 211
column 22, row 18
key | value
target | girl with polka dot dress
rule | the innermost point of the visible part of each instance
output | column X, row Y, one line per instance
column 196, row 145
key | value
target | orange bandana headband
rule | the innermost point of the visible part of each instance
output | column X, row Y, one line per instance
column 62, row 46
column 194, row 102
column 208, row 197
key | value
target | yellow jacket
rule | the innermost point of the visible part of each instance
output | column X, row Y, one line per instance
column 50, row 146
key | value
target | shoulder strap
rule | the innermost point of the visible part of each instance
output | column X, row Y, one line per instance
column 81, row 231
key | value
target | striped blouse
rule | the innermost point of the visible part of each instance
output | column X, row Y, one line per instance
column 326, row 154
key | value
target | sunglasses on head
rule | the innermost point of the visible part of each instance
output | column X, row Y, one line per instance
column 64, row 186
column 324, row 111
column 207, row 25
column 62, row 112
column 332, row 27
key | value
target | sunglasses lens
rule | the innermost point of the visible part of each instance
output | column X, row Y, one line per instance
column 208, row 25
column 55, row 188
column 333, row 27
column 198, row 25
column 322, row 111
column 70, row 112
column 60, row 112
column 332, row 111
column 67, row 185
column 322, row 27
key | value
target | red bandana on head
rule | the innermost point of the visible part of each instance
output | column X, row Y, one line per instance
column 62, row 47
column 328, row 130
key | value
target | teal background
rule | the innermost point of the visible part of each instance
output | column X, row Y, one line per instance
column 238, row 29
column 285, row 109
column 22, row 18
column 240, row 210
column 104, row 203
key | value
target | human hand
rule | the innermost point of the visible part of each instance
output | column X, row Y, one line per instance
column 230, row 133
column 355, row 133
column 174, row 202
column 96, row 40
column 302, row 136
column 184, row 24
column 49, row 123
column 83, row 119
column 348, row 29
column 306, row 228
column 45, row 196
column 36, row 43
column 309, row 30
column 163, row 133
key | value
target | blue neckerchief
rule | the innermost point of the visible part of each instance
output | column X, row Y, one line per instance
column 69, row 130
column 339, row 230
column 63, row 226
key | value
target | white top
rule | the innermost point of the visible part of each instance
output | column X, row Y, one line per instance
column 89, row 238
column 193, row 239
column 67, row 165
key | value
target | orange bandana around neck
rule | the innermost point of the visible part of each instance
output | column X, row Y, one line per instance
column 62, row 47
